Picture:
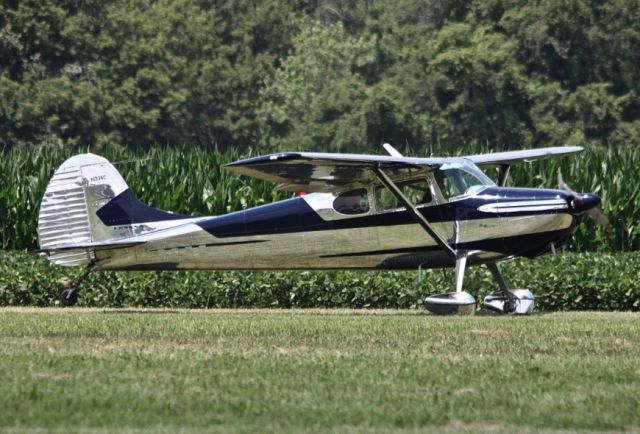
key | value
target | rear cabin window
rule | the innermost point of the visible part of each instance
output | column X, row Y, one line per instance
column 352, row 202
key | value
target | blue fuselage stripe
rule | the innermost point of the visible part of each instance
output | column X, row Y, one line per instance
column 295, row 215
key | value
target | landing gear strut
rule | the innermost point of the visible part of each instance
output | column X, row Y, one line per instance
column 69, row 296
column 453, row 303
column 512, row 302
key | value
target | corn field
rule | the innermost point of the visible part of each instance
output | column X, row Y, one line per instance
column 192, row 181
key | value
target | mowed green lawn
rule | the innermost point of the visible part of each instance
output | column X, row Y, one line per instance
column 316, row 371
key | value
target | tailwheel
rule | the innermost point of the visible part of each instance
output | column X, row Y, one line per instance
column 69, row 296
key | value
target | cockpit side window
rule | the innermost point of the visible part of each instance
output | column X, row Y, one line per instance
column 352, row 202
column 459, row 179
column 448, row 187
column 417, row 191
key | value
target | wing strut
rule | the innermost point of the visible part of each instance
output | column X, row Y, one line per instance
column 419, row 218
column 504, row 174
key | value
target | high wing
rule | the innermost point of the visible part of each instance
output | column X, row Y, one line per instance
column 326, row 172
column 510, row 157
column 330, row 172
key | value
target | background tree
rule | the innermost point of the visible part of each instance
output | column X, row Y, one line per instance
column 317, row 94
column 321, row 74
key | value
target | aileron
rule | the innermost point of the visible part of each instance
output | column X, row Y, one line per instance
column 509, row 157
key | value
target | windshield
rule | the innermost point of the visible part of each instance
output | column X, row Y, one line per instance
column 460, row 178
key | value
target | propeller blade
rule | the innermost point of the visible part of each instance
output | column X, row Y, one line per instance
column 563, row 185
column 598, row 216
column 595, row 213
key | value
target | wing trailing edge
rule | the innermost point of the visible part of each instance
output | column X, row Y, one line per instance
column 327, row 172
column 526, row 155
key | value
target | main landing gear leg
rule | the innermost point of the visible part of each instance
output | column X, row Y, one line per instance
column 69, row 296
column 461, row 264
column 450, row 303
column 515, row 302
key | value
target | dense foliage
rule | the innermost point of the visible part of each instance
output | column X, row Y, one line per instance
column 192, row 181
column 124, row 76
column 319, row 74
column 564, row 282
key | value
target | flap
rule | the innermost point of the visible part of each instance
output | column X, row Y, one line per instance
column 326, row 172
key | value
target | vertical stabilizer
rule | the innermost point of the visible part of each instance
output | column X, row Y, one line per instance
column 79, row 187
column 87, row 206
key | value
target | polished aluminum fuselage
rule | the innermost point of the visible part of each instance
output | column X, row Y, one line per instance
column 307, row 233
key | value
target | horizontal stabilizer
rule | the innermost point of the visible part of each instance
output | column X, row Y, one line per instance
column 92, row 246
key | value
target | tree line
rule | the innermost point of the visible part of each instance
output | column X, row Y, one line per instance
column 319, row 74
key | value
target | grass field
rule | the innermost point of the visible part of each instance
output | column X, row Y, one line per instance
column 96, row 370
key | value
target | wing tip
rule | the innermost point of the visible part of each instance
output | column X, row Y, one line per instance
column 575, row 148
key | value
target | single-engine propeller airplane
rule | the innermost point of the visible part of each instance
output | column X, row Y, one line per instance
column 360, row 212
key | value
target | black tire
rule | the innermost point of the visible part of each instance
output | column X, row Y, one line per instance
column 510, row 306
column 68, row 297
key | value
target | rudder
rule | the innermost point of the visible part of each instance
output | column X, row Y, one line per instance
column 67, row 217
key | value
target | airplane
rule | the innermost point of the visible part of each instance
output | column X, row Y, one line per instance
column 365, row 212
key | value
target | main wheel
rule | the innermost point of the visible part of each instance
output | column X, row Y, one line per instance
column 510, row 306
column 68, row 297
